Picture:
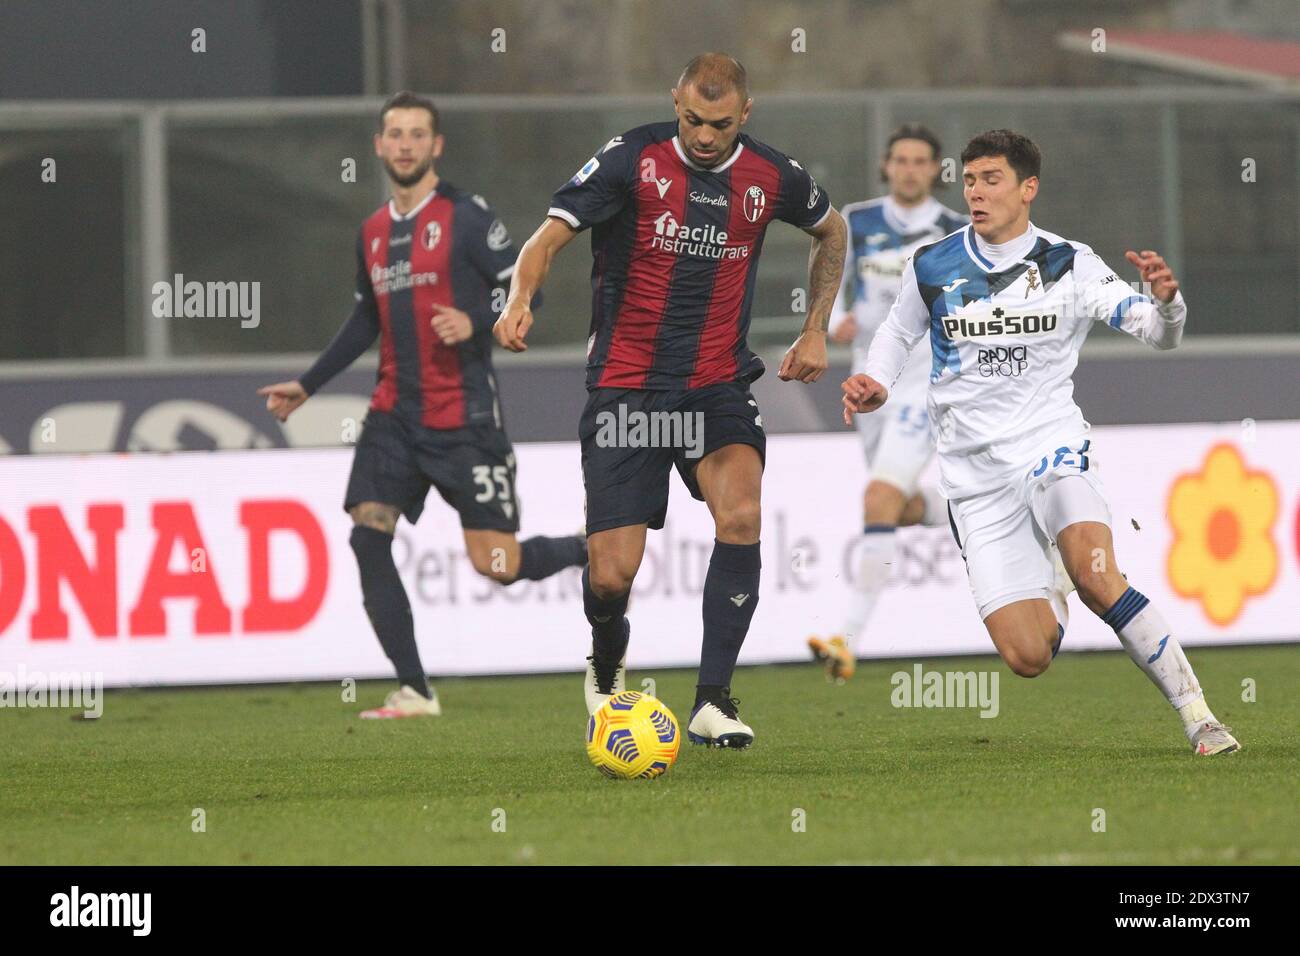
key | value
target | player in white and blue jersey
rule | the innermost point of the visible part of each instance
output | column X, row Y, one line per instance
column 1006, row 306
column 883, row 233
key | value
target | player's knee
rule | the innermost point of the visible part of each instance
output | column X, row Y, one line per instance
column 739, row 523
column 491, row 566
column 885, row 504
column 610, row 578
column 371, row 514
column 1029, row 657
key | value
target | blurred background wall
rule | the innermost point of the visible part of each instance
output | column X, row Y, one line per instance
column 1181, row 133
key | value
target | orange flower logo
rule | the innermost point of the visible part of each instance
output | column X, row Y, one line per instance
column 1223, row 549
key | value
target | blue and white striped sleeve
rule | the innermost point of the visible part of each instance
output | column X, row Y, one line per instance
column 1104, row 297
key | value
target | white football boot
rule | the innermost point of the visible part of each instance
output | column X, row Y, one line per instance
column 1213, row 738
column 716, row 724
column 405, row 702
column 601, row 687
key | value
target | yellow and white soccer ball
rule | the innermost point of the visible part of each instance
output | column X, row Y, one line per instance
column 633, row 735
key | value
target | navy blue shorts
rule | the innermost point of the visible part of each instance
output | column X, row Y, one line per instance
column 632, row 439
column 473, row 469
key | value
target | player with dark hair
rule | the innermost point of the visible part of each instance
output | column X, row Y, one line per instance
column 678, row 211
column 883, row 233
column 428, row 262
column 1006, row 307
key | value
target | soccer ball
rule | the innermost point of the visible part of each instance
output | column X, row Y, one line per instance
column 633, row 735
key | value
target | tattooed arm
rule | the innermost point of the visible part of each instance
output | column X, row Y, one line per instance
column 806, row 359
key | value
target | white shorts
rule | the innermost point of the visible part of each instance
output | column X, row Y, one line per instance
column 896, row 438
column 1005, row 534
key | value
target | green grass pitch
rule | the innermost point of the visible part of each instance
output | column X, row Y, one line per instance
column 288, row 774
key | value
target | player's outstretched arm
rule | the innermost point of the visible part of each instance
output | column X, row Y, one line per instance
column 356, row 335
column 531, row 269
column 806, row 360
column 1155, row 273
column 1156, row 319
column 862, row 393
column 902, row 330
column 1161, row 326
column 283, row 398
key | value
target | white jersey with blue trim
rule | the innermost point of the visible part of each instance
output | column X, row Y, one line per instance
column 1005, row 325
column 882, row 235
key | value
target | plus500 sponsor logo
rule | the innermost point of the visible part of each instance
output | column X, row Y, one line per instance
column 999, row 322
column 1003, row 360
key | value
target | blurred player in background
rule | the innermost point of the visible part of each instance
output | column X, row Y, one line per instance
column 883, row 233
column 428, row 262
column 678, row 212
column 1006, row 306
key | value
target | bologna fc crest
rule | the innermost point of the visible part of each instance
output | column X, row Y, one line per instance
column 755, row 200
column 432, row 233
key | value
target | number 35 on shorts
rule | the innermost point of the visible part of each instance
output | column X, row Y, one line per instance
column 495, row 481
column 1075, row 459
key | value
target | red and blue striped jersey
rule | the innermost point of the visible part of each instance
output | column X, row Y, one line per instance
column 451, row 249
column 676, row 250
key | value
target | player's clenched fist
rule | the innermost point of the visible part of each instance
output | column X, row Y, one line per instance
column 513, row 326
column 862, row 393
column 806, row 360
column 282, row 399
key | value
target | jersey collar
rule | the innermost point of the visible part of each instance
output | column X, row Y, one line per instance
column 972, row 248
column 398, row 217
column 681, row 154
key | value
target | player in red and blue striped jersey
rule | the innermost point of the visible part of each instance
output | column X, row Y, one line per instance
column 677, row 213
column 428, row 264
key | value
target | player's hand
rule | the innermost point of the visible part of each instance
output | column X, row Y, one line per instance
column 862, row 393
column 845, row 331
column 805, row 360
column 283, row 399
column 513, row 326
column 1156, row 273
column 451, row 324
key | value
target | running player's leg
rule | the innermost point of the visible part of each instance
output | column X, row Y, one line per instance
column 501, row 556
column 836, row 650
column 1074, row 511
column 613, row 559
column 473, row 469
column 384, row 484
column 894, row 498
column 1025, row 634
column 728, row 476
column 731, row 482
column 626, row 488
column 1010, row 572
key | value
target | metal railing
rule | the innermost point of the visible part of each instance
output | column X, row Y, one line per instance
column 251, row 189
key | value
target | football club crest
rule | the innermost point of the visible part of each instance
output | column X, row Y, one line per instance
column 432, row 234
column 755, row 200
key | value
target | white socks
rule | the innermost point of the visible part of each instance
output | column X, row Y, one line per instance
column 878, row 548
column 1146, row 637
